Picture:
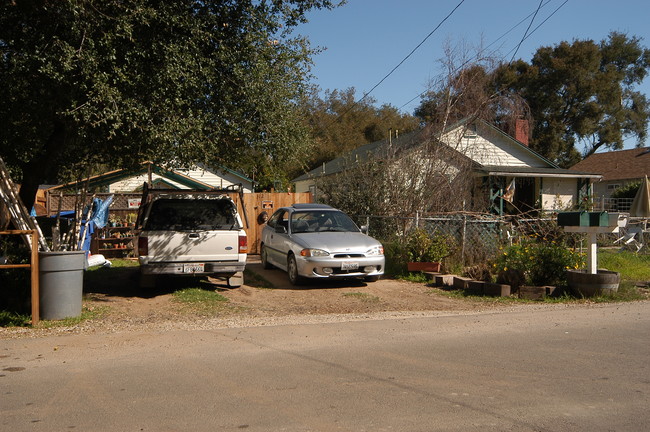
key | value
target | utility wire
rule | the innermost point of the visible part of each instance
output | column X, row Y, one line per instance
column 412, row 51
column 366, row 94
column 495, row 41
column 526, row 32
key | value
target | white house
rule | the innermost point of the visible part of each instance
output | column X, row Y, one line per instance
column 195, row 177
column 505, row 164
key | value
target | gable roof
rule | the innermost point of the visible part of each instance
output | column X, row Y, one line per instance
column 111, row 177
column 528, row 162
column 618, row 165
column 361, row 154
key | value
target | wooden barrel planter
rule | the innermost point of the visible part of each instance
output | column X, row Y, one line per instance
column 590, row 285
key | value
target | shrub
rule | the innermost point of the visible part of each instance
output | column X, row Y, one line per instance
column 536, row 263
column 627, row 191
column 417, row 246
column 423, row 247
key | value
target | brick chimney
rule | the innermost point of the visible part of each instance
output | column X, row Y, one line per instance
column 522, row 130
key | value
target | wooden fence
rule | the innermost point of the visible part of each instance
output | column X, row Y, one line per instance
column 252, row 207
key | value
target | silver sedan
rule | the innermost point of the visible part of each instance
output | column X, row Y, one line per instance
column 318, row 241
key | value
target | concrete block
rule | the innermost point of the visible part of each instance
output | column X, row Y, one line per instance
column 461, row 283
column 475, row 287
column 532, row 292
column 496, row 290
column 445, row 280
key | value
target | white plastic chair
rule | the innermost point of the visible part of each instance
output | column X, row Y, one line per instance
column 633, row 238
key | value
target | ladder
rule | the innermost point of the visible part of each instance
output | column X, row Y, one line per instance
column 19, row 214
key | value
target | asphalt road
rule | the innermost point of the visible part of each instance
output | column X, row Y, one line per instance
column 540, row 369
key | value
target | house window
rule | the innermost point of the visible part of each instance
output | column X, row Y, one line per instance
column 612, row 187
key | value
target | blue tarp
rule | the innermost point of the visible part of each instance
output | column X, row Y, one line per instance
column 100, row 211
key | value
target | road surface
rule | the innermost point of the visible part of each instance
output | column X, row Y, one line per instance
column 547, row 368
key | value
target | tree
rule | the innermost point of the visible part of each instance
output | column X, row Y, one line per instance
column 339, row 123
column 467, row 91
column 582, row 93
column 117, row 81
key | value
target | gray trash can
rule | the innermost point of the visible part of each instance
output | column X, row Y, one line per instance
column 61, row 283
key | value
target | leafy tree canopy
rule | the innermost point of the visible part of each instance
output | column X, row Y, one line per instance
column 579, row 94
column 582, row 94
column 122, row 81
column 339, row 123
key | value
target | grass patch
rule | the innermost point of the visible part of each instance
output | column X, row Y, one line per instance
column 631, row 266
column 14, row 319
column 87, row 313
column 417, row 277
column 199, row 301
column 365, row 297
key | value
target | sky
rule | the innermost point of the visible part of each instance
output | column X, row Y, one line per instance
column 364, row 40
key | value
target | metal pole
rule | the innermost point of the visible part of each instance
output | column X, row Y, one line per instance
column 35, row 281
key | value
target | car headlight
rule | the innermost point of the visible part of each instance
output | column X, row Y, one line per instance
column 376, row 250
column 314, row 253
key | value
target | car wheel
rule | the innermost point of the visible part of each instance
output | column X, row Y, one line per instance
column 371, row 278
column 265, row 259
column 292, row 271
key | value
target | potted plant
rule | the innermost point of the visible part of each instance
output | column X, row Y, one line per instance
column 426, row 252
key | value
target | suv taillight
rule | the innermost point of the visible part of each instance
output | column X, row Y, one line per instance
column 143, row 246
column 243, row 244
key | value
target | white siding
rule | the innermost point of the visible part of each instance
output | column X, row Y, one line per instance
column 490, row 148
column 134, row 183
column 212, row 178
column 303, row 186
column 558, row 193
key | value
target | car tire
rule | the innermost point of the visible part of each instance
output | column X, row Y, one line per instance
column 292, row 271
column 371, row 278
column 265, row 258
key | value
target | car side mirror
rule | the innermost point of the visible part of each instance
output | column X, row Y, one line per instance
column 280, row 229
column 364, row 229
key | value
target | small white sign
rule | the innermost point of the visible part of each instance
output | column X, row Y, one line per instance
column 134, row 203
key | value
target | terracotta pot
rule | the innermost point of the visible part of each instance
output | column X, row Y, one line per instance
column 423, row 266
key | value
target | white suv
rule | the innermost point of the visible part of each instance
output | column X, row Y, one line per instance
column 190, row 233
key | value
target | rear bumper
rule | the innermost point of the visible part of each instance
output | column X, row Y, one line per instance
column 314, row 267
column 178, row 268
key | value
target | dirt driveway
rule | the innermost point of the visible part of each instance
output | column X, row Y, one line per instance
column 113, row 302
column 118, row 303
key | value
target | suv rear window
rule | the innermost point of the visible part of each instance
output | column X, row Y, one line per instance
column 190, row 215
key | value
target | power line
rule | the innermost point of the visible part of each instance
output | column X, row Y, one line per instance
column 526, row 32
column 494, row 42
column 365, row 95
column 412, row 51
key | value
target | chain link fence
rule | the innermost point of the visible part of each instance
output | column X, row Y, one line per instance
column 476, row 238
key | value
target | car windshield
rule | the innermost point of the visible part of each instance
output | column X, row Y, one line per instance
column 192, row 215
column 317, row 221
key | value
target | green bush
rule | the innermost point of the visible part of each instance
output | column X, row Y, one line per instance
column 418, row 246
column 424, row 247
column 536, row 263
column 627, row 191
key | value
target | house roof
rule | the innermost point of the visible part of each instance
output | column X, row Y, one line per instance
column 509, row 171
column 618, row 165
column 412, row 139
column 121, row 174
column 361, row 154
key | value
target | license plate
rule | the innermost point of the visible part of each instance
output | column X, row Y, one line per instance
column 348, row 265
column 193, row 268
